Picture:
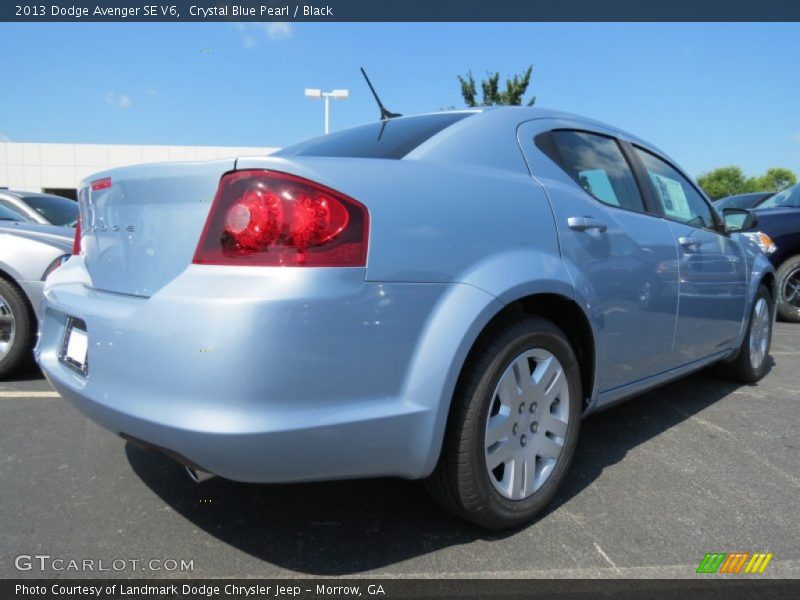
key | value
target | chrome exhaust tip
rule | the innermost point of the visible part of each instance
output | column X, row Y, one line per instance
column 197, row 475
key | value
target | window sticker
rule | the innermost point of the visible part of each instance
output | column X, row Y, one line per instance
column 597, row 183
column 673, row 198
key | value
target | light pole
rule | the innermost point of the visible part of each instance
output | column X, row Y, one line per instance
column 335, row 94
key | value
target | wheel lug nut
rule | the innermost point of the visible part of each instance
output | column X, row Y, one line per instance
column 523, row 440
column 534, row 427
column 521, row 408
column 532, row 407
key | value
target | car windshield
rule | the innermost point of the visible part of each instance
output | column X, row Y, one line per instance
column 384, row 139
column 788, row 198
column 57, row 210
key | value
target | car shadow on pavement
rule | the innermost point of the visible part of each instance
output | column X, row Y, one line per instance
column 29, row 371
column 606, row 437
column 340, row 528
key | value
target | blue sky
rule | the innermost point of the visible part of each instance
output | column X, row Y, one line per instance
column 708, row 94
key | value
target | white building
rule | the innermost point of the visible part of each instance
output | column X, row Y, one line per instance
column 57, row 168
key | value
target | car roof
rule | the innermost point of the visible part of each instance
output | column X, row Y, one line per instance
column 24, row 194
column 483, row 139
column 526, row 113
column 748, row 195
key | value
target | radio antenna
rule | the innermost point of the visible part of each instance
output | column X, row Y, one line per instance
column 385, row 114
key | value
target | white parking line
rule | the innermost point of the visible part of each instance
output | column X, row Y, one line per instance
column 605, row 556
column 4, row 394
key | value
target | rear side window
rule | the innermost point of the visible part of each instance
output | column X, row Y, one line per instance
column 393, row 138
column 678, row 198
column 597, row 164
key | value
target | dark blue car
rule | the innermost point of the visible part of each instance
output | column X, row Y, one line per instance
column 749, row 200
column 779, row 217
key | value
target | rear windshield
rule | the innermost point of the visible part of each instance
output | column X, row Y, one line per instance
column 385, row 139
column 57, row 210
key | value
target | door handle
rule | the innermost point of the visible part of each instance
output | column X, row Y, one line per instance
column 586, row 223
column 688, row 242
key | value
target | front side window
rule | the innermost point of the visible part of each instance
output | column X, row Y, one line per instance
column 788, row 198
column 597, row 164
column 679, row 200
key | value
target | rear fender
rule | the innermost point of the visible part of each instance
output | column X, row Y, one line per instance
column 456, row 323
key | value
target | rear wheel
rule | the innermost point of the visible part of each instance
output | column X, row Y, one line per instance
column 752, row 362
column 17, row 324
column 513, row 426
column 788, row 277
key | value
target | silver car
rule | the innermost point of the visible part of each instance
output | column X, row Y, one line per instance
column 28, row 253
column 441, row 296
column 45, row 209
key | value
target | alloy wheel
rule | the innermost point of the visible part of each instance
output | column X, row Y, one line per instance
column 7, row 328
column 791, row 289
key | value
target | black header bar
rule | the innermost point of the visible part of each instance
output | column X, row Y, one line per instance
column 711, row 588
column 404, row 10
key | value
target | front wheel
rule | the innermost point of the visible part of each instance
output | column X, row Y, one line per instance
column 752, row 361
column 513, row 426
column 788, row 277
column 17, row 329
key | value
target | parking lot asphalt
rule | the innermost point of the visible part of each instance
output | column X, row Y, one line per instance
column 701, row 465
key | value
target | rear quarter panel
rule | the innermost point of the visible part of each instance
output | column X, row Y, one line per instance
column 488, row 232
column 440, row 222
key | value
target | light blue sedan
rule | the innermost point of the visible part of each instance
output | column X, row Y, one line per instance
column 441, row 296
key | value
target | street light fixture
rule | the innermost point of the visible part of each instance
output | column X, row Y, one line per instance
column 326, row 96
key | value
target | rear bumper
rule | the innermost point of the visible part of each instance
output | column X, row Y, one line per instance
column 287, row 375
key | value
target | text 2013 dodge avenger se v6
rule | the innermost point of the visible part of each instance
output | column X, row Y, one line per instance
column 440, row 296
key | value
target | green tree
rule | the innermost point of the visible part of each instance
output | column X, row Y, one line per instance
column 727, row 181
column 724, row 181
column 515, row 89
column 775, row 180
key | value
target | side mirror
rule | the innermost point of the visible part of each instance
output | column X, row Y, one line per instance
column 738, row 219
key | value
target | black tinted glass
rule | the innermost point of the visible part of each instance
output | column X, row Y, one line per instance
column 57, row 210
column 740, row 201
column 385, row 139
column 788, row 198
column 597, row 164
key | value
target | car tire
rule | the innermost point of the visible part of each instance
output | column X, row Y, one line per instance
column 17, row 328
column 463, row 481
column 788, row 285
column 752, row 360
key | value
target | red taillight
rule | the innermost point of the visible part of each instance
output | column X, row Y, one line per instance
column 76, row 243
column 101, row 184
column 270, row 218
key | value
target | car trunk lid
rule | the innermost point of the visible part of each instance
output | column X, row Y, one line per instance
column 140, row 225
